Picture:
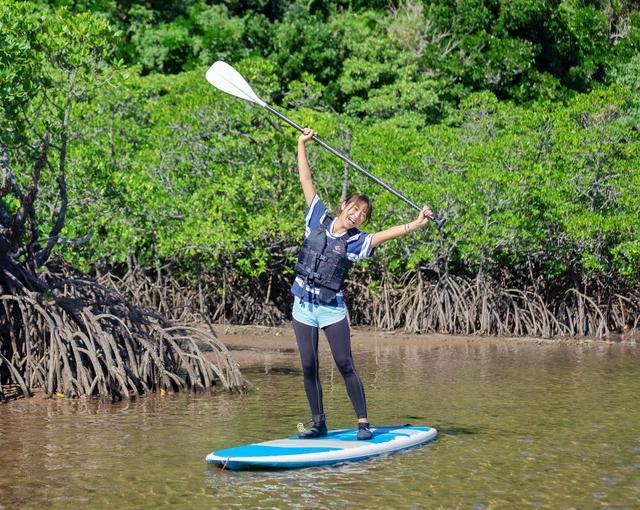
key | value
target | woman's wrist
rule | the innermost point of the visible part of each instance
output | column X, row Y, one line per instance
column 411, row 226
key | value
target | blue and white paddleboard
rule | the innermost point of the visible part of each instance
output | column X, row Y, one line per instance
column 337, row 447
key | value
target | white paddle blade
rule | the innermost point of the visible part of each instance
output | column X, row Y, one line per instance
column 224, row 77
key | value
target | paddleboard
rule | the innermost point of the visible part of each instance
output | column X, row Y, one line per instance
column 336, row 447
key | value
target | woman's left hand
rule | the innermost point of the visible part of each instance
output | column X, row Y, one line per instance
column 423, row 216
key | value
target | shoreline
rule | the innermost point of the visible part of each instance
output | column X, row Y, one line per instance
column 274, row 346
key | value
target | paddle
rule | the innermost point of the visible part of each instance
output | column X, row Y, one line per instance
column 224, row 77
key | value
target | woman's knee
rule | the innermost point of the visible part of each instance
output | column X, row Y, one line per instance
column 345, row 366
column 309, row 368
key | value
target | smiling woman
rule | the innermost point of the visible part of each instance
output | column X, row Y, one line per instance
column 330, row 246
column 356, row 210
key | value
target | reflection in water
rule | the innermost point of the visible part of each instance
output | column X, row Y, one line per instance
column 521, row 424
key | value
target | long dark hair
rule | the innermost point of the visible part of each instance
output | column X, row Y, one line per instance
column 358, row 197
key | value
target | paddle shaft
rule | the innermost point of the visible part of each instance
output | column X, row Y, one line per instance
column 224, row 77
column 345, row 159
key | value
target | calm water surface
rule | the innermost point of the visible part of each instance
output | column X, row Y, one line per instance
column 522, row 425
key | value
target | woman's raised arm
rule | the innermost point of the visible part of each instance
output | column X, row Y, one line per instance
column 303, row 166
column 399, row 230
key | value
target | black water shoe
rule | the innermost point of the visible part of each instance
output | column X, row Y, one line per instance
column 318, row 430
column 363, row 432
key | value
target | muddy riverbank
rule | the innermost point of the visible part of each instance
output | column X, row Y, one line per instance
column 263, row 346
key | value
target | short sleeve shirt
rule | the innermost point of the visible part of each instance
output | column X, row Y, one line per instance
column 358, row 248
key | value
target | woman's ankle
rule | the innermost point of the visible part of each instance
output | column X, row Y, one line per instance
column 319, row 418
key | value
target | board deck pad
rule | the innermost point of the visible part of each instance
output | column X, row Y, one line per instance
column 336, row 447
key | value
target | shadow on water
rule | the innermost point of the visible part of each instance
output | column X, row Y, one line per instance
column 456, row 430
column 444, row 428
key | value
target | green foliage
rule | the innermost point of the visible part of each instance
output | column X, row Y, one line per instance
column 50, row 60
column 517, row 120
column 20, row 58
column 206, row 194
column 303, row 43
column 379, row 59
column 42, row 51
column 204, row 34
column 177, row 170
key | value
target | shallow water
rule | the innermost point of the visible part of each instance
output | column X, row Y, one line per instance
column 543, row 425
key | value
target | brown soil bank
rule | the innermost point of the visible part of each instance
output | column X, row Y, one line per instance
column 275, row 347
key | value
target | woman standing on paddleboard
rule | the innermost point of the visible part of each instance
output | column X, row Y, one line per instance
column 330, row 246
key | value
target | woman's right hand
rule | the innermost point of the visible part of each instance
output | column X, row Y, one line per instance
column 307, row 134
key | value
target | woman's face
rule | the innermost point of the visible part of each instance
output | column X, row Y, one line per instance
column 354, row 214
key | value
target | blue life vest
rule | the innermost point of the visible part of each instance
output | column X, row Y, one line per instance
column 323, row 262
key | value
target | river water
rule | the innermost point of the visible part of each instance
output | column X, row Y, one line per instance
column 522, row 424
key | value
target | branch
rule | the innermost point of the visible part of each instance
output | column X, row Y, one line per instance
column 43, row 255
column 26, row 207
column 5, row 247
column 5, row 219
column 5, row 187
column 9, row 183
column 73, row 241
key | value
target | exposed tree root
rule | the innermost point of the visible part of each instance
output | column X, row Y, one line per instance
column 76, row 337
column 66, row 333
column 219, row 297
column 417, row 303
column 456, row 305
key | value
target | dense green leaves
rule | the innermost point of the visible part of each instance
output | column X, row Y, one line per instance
column 207, row 176
column 518, row 120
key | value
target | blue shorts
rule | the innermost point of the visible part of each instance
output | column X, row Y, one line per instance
column 316, row 315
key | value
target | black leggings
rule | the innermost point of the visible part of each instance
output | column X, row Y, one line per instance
column 339, row 338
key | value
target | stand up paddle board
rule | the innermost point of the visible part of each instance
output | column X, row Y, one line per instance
column 336, row 447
